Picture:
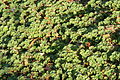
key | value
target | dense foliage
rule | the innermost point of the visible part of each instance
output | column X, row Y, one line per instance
column 59, row 40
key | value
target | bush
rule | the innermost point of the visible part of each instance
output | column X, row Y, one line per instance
column 59, row 40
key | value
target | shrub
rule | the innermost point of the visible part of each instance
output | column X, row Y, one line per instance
column 59, row 40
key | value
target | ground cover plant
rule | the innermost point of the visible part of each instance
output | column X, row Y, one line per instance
column 59, row 40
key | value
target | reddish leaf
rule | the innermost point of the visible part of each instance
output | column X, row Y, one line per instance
column 70, row 0
column 45, row 17
column 118, row 22
column 111, row 28
column 87, row 44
